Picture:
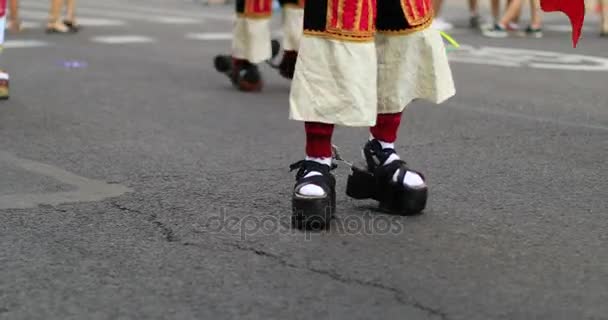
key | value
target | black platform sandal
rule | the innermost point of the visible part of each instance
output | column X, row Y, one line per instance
column 244, row 75
column 376, row 182
column 310, row 212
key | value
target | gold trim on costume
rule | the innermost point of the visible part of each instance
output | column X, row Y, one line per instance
column 341, row 36
column 340, row 17
column 330, row 14
column 358, row 13
column 254, row 15
column 413, row 19
column 409, row 30
column 371, row 9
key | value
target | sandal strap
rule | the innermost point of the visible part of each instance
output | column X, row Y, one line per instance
column 306, row 166
column 324, row 180
column 317, row 180
column 389, row 170
column 373, row 150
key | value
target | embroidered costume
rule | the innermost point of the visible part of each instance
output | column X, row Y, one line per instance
column 360, row 63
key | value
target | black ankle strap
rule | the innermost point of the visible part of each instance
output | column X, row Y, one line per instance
column 373, row 149
column 307, row 166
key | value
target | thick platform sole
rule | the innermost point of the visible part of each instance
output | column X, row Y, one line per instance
column 223, row 64
column 393, row 199
column 405, row 202
column 313, row 214
column 361, row 184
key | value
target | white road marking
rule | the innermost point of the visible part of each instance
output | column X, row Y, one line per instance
column 27, row 25
column 12, row 44
column 85, row 21
column 87, row 189
column 523, row 58
column 124, row 12
column 151, row 11
column 98, row 22
column 210, row 36
column 523, row 116
column 178, row 20
column 122, row 39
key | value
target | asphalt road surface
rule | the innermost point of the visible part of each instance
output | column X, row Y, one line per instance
column 135, row 183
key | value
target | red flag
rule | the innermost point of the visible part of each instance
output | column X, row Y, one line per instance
column 574, row 9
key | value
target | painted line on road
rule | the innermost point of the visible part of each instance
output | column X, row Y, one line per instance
column 525, row 58
column 98, row 22
column 212, row 36
column 88, row 190
column 27, row 25
column 15, row 44
column 209, row 36
column 178, row 20
column 84, row 21
column 522, row 116
column 122, row 39
column 130, row 13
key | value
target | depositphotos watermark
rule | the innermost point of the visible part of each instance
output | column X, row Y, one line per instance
column 252, row 225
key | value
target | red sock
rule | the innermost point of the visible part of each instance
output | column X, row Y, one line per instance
column 386, row 127
column 318, row 139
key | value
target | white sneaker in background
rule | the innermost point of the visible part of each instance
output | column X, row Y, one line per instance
column 441, row 25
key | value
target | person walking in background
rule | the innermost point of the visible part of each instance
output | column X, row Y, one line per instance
column 502, row 27
column 474, row 21
column 58, row 25
column 439, row 23
column 14, row 22
column 603, row 6
column 4, row 94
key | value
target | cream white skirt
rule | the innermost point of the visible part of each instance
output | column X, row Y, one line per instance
column 349, row 83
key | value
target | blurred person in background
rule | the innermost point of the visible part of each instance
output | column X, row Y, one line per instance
column 56, row 23
column 14, row 23
column 603, row 8
column 475, row 20
column 495, row 10
column 508, row 23
column 439, row 23
column 3, row 75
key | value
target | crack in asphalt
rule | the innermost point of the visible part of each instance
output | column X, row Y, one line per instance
column 399, row 295
column 165, row 231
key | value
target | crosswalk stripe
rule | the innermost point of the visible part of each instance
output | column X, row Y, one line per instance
column 92, row 12
column 26, row 25
column 99, row 22
column 85, row 21
column 12, row 44
column 177, row 20
column 122, row 39
column 149, row 15
column 196, row 14
column 209, row 36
